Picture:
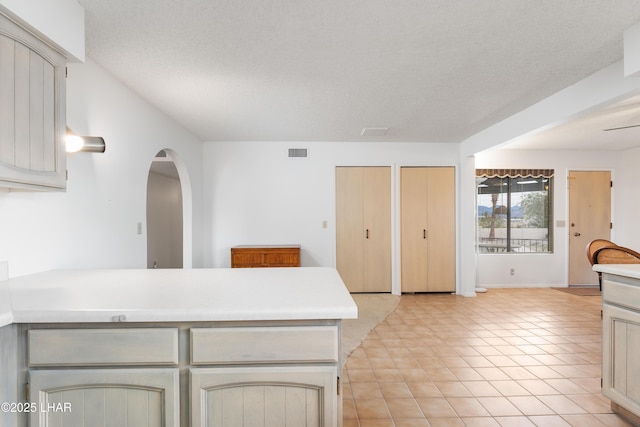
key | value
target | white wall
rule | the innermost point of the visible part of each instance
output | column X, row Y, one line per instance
column 602, row 88
column 251, row 192
column 94, row 223
column 549, row 269
column 255, row 194
column 626, row 188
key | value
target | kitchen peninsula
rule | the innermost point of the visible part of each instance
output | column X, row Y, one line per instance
column 621, row 337
column 201, row 347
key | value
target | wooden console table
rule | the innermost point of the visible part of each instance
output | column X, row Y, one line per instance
column 265, row 256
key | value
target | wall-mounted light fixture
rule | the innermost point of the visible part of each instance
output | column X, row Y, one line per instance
column 91, row 144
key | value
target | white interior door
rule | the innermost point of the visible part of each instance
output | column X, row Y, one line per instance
column 589, row 218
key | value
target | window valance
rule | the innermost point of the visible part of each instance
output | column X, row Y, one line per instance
column 514, row 173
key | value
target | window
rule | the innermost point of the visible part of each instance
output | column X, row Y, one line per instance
column 514, row 210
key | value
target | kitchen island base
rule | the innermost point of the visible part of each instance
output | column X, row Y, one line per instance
column 199, row 347
column 621, row 338
column 191, row 374
column 627, row 415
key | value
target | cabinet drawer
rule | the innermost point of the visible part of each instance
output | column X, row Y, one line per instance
column 264, row 344
column 250, row 259
column 617, row 292
column 100, row 347
column 277, row 259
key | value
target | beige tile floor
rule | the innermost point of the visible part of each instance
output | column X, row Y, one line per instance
column 510, row 357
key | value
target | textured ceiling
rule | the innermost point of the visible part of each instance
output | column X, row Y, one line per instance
column 309, row 70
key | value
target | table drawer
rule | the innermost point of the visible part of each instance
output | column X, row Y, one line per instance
column 264, row 344
column 103, row 347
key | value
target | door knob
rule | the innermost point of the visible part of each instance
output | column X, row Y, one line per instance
column 576, row 234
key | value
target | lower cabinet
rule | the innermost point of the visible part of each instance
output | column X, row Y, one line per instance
column 105, row 397
column 621, row 345
column 621, row 341
column 87, row 377
column 9, row 374
column 269, row 396
column 188, row 374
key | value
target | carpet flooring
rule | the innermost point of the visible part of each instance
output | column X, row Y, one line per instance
column 372, row 309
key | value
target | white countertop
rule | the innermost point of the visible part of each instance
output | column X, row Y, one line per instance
column 174, row 295
column 627, row 270
column 6, row 317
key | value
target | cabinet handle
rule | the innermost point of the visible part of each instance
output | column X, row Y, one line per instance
column 424, row 233
column 367, row 233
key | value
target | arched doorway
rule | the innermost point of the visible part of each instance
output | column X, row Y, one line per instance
column 165, row 213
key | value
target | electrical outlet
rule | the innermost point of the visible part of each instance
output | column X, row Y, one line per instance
column 512, row 272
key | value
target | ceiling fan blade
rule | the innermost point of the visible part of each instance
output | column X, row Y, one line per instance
column 621, row 127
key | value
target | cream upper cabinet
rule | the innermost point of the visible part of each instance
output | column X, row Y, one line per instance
column 427, row 216
column 32, row 111
column 363, row 228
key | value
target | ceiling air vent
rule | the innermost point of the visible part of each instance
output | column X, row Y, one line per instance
column 374, row 131
column 298, row 152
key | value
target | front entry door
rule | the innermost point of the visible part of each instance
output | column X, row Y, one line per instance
column 589, row 218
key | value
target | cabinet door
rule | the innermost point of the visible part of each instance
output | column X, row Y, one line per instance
column 350, row 226
column 441, row 233
column 9, row 373
column 105, row 397
column 363, row 228
column 427, row 217
column 621, row 346
column 304, row 396
column 413, row 223
column 377, row 224
column 32, row 111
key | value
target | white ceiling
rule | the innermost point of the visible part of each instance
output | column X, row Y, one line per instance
column 310, row 70
column 612, row 128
